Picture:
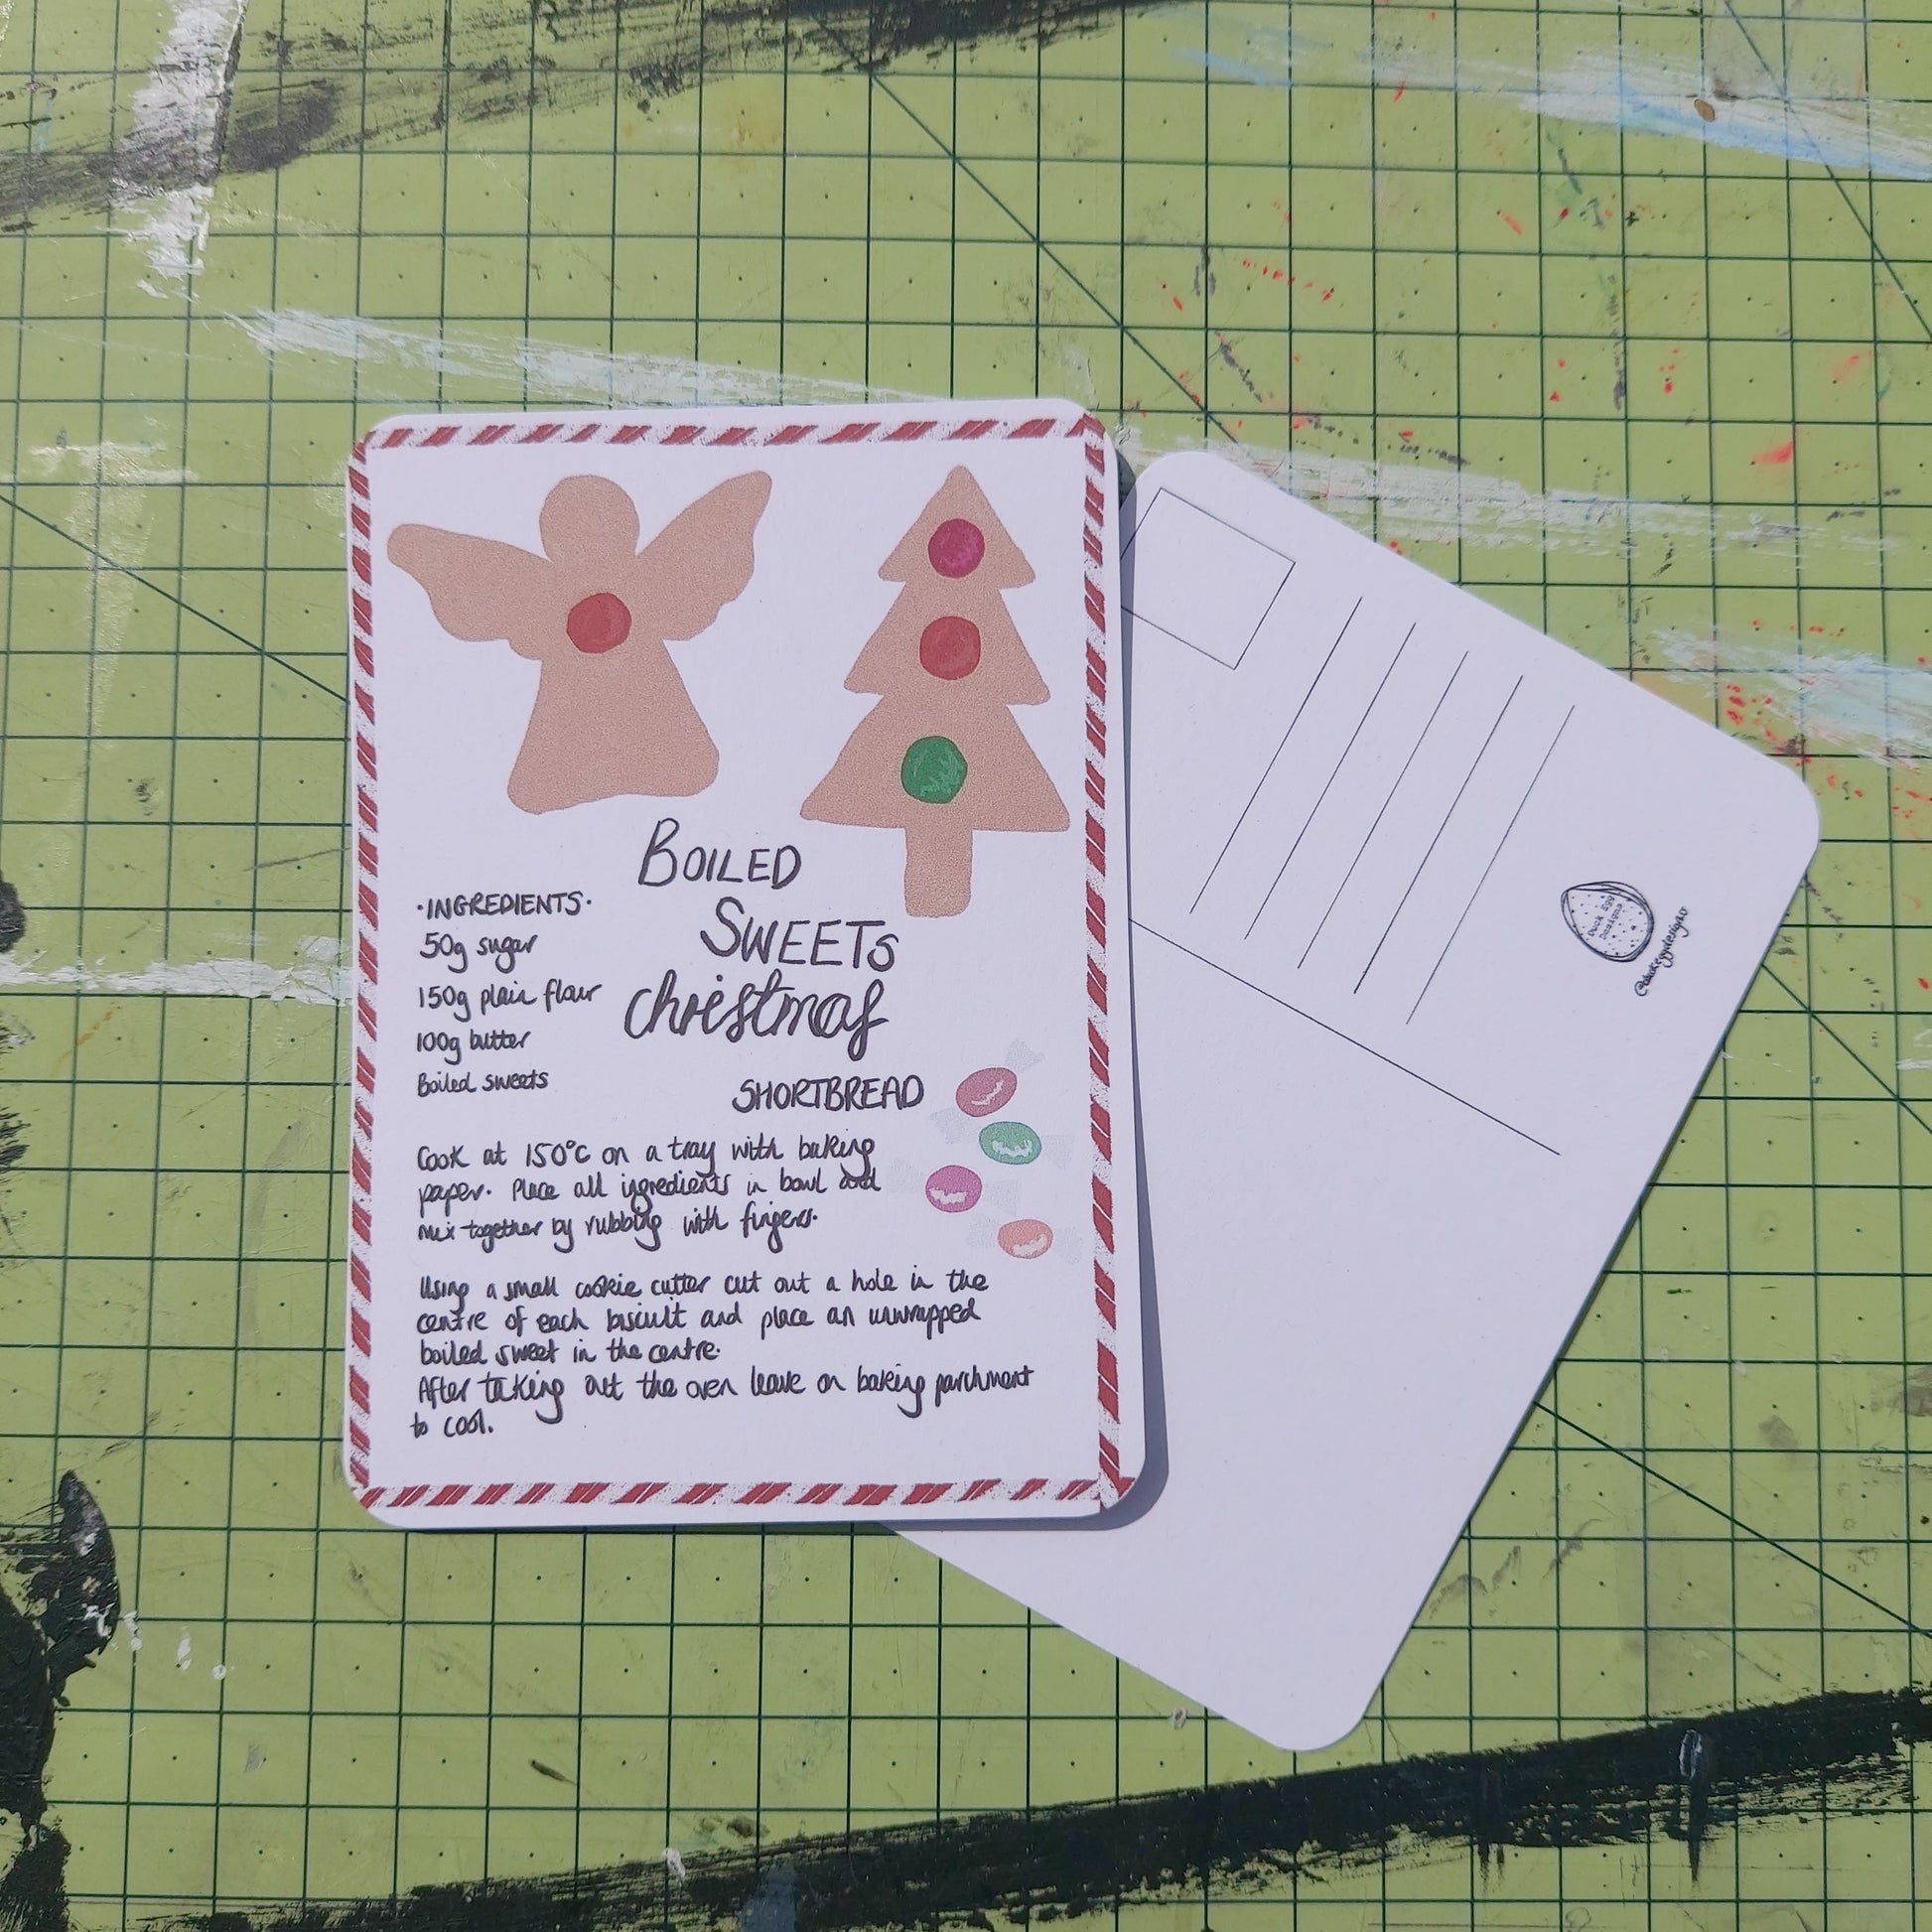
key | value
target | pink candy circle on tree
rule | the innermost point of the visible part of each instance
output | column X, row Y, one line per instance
column 986, row 1091
column 952, row 1190
column 597, row 623
column 956, row 547
column 1025, row 1240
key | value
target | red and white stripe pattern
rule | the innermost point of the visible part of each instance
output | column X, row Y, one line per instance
column 806, row 1498
column 361, row 731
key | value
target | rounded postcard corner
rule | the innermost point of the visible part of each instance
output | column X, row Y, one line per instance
column 1126, row 1490
column 400, row 419
column 1318, row 1727
column 368, row 1496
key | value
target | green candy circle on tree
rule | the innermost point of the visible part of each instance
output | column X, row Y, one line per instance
column 933, row 770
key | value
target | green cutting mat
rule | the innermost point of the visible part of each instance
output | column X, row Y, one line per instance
column 1598, row 311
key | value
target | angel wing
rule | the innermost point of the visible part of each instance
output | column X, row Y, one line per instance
column 477, row 588
column 703, row 557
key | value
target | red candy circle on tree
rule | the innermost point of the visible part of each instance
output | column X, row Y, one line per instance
column 599, row 623
column 956, row 547
column 949, row 647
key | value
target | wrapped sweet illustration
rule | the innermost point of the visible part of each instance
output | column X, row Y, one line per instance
column 1025, row 1240
column 986, row 1091
column 1011, row 1143
column 1613, row 920
column 941, row 755
column 955, row 1190
column 611, row 715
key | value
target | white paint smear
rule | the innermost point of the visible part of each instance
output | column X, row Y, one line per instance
column 1856, row 704
column 310, row 984
column 544, row 371
column 1417, row 503
column 113, row 520
column 1865, row 133
column 120, row 463
column 174, row 134
column 1410, row 501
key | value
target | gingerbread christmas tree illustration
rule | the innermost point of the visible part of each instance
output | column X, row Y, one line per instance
column 941, row 755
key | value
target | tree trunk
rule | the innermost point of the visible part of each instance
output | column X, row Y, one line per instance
column 938, row 866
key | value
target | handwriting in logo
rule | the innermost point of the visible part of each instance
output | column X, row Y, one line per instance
column 1613, row 920
column 1679, row 928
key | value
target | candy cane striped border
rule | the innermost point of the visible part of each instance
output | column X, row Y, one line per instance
column 1110, row 1484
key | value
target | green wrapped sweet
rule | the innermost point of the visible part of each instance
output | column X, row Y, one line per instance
column 1011, row 1143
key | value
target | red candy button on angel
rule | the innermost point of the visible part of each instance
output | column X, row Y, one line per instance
column 611, row 715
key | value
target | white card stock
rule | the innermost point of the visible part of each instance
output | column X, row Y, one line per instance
column 742, row 991
column 1438, row 926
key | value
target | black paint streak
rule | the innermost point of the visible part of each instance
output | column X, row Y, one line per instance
column 1694, row 1769
column 266, row 129
column 13, row 1130
column 34, row 1892
column 400, row 79
column 62, row 1608
column 1850, row 1751
column 60, row 1601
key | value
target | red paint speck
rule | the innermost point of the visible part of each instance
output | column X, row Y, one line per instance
column 1780, row 452
column 1926, row 985
column 1556, row 395
column 1668, row 385
column 1402, row 87
column 1845, row 369
column 1514, row 225
column 1563, row 214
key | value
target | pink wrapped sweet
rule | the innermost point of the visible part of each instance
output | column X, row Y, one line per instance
column 952, row 1190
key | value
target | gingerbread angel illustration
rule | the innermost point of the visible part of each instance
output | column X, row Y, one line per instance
column 611, row 715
